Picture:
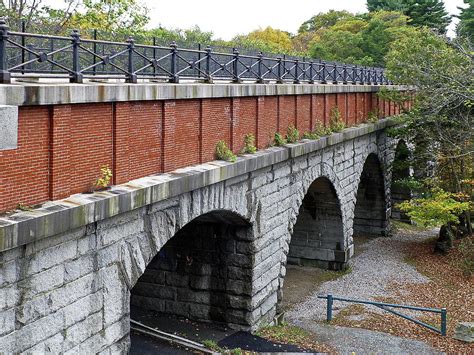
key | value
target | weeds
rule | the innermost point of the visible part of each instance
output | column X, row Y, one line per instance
column 224, row 153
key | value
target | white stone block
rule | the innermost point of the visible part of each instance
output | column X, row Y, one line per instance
column 8, row 127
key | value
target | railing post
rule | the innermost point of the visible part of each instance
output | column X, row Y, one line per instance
column 208, row 65
column 23, row 44
column 344, row 74
column 5, row 77
column 94, row 36
column 259, row 68
column 76, row 76
column 235, row 67
column 131, row 76
column 279, row 78
column 329, row 308
column 354, row 75
column 199, row 60
column 334, row 74
column 323, row 73
column 443, row 321
column 174, row 63
column 311, row 80
column 362, row 78
column 297, row 80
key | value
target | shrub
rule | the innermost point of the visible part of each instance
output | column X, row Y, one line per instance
column 321, row 131
column 224, row 153
column 335, row 121
column 292, row 134
column 279, row 140
column 310, row 135
column 373, row 116
column 105, row 177
column 249, row 141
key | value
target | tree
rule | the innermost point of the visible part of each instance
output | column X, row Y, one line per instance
column 324, row 20
column 441, row 124
column 465, row 26
column 267, row 40
column 429, row 13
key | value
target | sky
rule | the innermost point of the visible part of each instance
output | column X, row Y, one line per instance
column 229, row 18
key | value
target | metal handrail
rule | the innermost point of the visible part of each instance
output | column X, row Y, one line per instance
column 25, row 54
column 442, row 330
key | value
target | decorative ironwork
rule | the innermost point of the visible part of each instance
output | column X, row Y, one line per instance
column 25, row 54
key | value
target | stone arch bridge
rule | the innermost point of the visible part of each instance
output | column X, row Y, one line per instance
column 209, row 241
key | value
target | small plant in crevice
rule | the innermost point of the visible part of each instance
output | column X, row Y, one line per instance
column 335, row 120
column 249, row 144
column 321, row 131
column 292, row 134
column 223, row 152
column 373, row 116
column 310, row 135
column 24, row 207
column 104, row 179
column 279, row 140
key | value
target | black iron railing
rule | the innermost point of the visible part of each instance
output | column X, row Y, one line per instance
column 25, row 54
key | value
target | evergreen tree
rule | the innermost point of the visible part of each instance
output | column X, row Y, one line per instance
column 429, row 13
column 465, row 26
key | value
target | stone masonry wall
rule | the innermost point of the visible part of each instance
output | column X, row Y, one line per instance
column 70, row 292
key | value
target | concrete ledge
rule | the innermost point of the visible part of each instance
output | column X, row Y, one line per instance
column 81, row 209
column 8, row 127
column 22, row 94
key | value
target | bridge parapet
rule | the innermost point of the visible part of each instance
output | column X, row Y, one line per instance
column 67, row 132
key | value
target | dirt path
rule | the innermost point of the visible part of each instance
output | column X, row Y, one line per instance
column 377, row 266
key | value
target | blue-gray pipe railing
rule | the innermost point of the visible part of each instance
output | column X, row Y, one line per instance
column 442, row 311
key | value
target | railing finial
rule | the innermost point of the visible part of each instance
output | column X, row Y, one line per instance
column 5, row 76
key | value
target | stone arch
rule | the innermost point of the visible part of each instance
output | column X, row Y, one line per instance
column 318, row 236
column 370, row 211
column 400, row 170
column 204, row 272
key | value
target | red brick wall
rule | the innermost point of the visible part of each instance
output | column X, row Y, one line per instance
column 24, row 172
column 61, row 148
column 91, row 144
column 244, row 120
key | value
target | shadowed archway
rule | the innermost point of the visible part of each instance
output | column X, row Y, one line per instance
column 318, row 234
column 370, row 214
column 203, row 273
column 400, row 170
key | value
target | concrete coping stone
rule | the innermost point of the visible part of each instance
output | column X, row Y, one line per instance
column 27, row 93
column 55, row 217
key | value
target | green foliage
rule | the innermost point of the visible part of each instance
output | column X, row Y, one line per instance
column 249, row 141
column 279, row 140
column 211, row 345
column 465, row 26
column 429, row 13
column 310, row 135
column 324, row 20
column 435, row 208
column 336, row 123
column 292, row 134
column 373, row 116
column 321, row 131
column 105, row 177
column 224, row 153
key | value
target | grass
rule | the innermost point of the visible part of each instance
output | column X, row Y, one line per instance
column 288, row 334
column 212, row 345
column 402, row 226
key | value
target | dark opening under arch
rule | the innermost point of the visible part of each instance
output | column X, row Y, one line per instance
column 318, row 234
column 400, row 170
column 370, row 215
column 203, row 273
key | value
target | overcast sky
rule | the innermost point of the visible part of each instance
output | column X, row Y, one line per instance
column 229, row 18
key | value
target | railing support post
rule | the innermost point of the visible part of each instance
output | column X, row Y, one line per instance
column 279, row 78
column 76, row 76
column 297, row 65
column 174, row 78
column 334, row 74
column 131, row 76
column 329, row 308
column 5, row 76
column 311, row 74
column 259, row 69
column 208, row 65
column 344, row 74
column 235, row 67
column 443, row 321
column 323, row 73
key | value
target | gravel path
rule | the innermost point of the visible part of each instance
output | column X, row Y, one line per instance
column 379, row 263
